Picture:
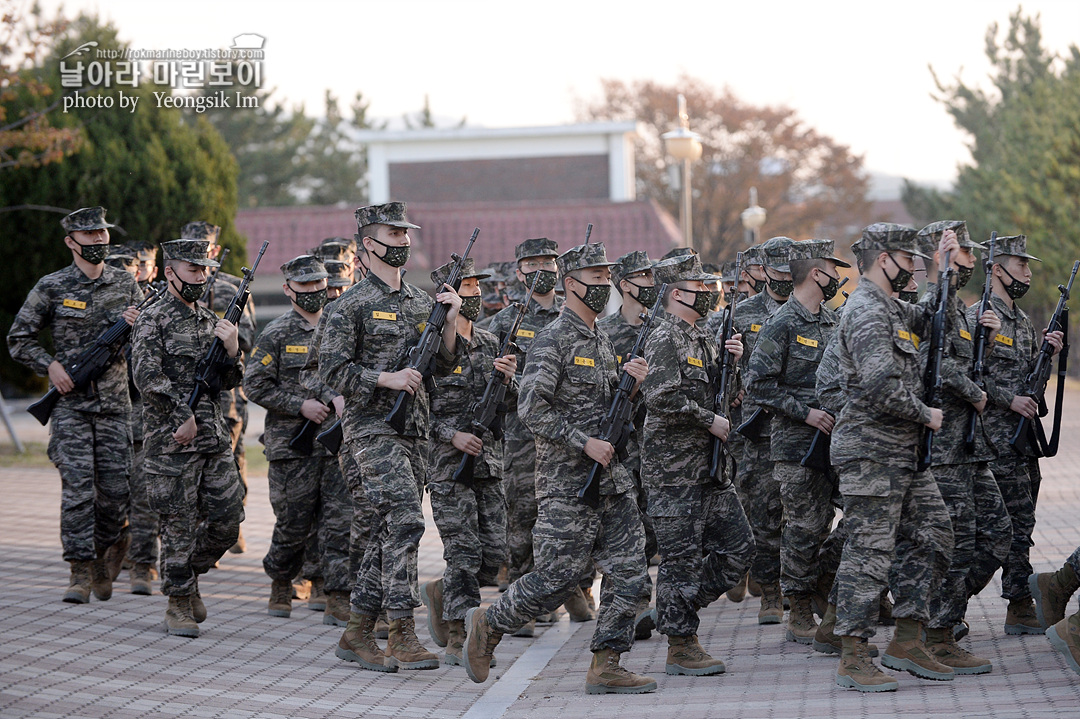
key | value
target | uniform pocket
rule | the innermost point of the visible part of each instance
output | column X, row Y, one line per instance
column 862, row 478
column 165, row 488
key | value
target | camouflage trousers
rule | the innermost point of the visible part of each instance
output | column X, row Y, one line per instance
column 898, row 526
column 806, row 495
column 472, row 525
column 1019, row 479
column 392, row 471
column 760, row 498
column 201, row 503
column 519, row 469
column 306, row 493
column 93, row 454
column 831, row 552
column 569, row 537
column 706, row 545
column 143, row 521
column 364, row 521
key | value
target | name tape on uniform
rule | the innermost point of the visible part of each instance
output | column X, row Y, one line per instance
column 905, row 335
column 806, row 341
column 76, row 304
column 965, row 334
column 527, row 334
column 1007, row 341
column 695, row 361
column 457, row 370
column 384, row 315
column 584, row 362
column 296, row 349
column 267, row 359
column 755, row 328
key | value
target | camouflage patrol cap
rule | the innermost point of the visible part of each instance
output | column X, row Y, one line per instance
column 86, row 219
column 145, row 251
column 752, row 256
column 583, row 257
column 121, row 256
column 536, row 247
column 930, row 236
column 392, row 213
column 889, row 237
column 305, row 268
column 341, row 273
column 814, row 250
column 678, row 252
column 200, row 230
column 333, row 249
column 1015, row 245
column 440, row 274
column 774, row 253
column 628, row 264
column 727, row 271
column 682, row 269
column 194, row 251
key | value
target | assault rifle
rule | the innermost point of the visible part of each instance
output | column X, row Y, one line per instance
column 489, row 411
column 208, row 293
column 1029, row 437
column 92, row 361
column 208, row 371
column 722, row 406
column 618, row 425
column 978, row 363
column 422, row 357
column 932, row 380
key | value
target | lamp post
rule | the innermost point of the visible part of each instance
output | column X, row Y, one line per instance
column 684, row 146
column 753, row 217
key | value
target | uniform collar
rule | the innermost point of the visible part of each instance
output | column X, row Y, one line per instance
column 537, row 308
column 577, row 322
column 106, row 276
column 406, row 288
column 1001, row 307
column 301, row 322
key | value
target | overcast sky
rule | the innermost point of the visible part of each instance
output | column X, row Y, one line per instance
column 857, row 71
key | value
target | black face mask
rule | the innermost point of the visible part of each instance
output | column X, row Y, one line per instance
column 963, row 274
column 470, row 307
column 830, row 288
column 758, row 285
column 900, row 281
column 190, row 292
column 544, row 283
column 596, row 296
column 1016, row 288
column 394, row 256
column 646, row 296
column 910, row 297
column 94, row 254
column 311, row 301
column 704, row 300
column 780, row 287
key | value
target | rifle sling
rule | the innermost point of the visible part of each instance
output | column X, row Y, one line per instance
column 1049, row 449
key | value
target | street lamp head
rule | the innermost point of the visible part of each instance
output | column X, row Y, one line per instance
column 683, row 144
column 753, row 217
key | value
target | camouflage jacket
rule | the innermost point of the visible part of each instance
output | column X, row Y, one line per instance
column 1015, row 347
column 168, row 342
column 781, row 375
column 452, row 405
column 309, row 374
column 680, row 396
column 76, row 310
column 272, row 380
column 233, row 402
column 882, row 377
column 623, row 335
column 567, row 387
column 750, row 317
column 370, row 331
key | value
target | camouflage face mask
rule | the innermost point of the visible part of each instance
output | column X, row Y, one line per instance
column 94, row 254
column 596, row 296
column 902, row 277
column 545, row 283
column 190, row 291
column 470, row 307
column 1016, row 288
column 704, row 300
column 395, row 256
column 646, row 296
column 963, row 274
column 783, row 288
column 311, row 301
column 910, row 297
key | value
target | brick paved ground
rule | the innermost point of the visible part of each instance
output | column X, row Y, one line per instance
column 112, row 659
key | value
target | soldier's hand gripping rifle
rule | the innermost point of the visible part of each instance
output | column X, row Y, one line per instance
column 617, row 425
column 1029, row 437
column 817, row 456
column 208, row 293
column 982, row 336
column 422, row 357
column 932, row 381
column 489, row 411
column 208, row 371
column 727, row 374
column 92, row 361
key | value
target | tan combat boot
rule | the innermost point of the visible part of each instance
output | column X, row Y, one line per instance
column 382, row 626
column 772, row 611
column 280, row 604
column 178, row 619
column 301, row 588
column 752, row 586
column 1022, row 619
column 607, row 676
column 337, row 609
column 528, row 629
column 140, row 580
column 100, row 581
column 357, row 644
column 827, row 641
column 907, row 652
column 78, row 591
column 942, row 645
column 114, row 555
column 819, row 599
column 431, row 594
column 858, row 671
column 316, row 600
column 1051, row 592
column 738, row 592
column 404, row 650
column 480, row 642
column 685, row 655
column 503, row 578
column 1064, row 637
column 885, row 607
column 645, row 622
column 455, row 642
column 198, row 609
column 801, row 626
column 578, row 607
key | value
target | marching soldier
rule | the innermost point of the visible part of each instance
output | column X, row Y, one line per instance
column 192, row 480
column 366, row 339
column 569, row 382
column 90, row 435
column 1015, row 347
column 704, row 540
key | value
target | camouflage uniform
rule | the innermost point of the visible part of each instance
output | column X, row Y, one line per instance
column 471, row 518
column 302, row 487
column 519, row 449
column 370, row 330
column 893, row 512
column 144, row 524
column 90, row 434
column 195, row 488
column 569, row 382
column 705, row 541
